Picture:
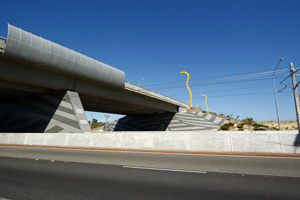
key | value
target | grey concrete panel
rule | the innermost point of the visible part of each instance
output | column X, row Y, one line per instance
column 107, row 140
column 210, row 142
column 40, row 113
column 286, row 140
column 67, row 117
column 169, row 141
column 80, row 139
column 27, row 114
column 56, row 139
column 24, row 45
column 134, row 141
column 267, row 142
column 169, row 122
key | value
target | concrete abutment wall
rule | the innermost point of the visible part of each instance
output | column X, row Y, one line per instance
column 221, row 141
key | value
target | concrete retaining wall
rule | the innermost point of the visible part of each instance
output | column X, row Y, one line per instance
column 270, row 141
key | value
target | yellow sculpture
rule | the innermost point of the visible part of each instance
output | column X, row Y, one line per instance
column 205, row 102
column 187, row 85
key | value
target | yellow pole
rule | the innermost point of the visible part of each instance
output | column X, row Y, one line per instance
column 205, row 102
column 187, row 85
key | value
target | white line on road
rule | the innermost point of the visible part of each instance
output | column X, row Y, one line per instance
column 169, row 170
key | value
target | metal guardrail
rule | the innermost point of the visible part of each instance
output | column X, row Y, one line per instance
column 2, row 44
column 154, row 91
column 3, row 38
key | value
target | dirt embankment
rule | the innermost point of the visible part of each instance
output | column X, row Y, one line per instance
column 285, row 125
column 237, row 125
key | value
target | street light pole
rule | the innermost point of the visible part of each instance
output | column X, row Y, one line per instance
column 140, row 81
column 281, row 59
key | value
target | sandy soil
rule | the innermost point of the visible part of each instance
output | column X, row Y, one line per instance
column 98, row 130
column 285, row 125
column 273, row 126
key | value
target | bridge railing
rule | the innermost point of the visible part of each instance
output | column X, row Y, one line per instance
column 143, row 88
column 2, row 44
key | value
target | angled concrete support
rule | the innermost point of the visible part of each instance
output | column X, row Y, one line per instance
column 56, row 112
column 188, row 121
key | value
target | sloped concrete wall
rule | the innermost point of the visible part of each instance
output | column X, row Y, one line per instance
column 55, row 112
column 186, row 121
column 271, row 141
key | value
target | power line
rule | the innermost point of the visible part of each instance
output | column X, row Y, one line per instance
column 228, row 77
column 258, row 105
column 239, row 78
column 243, row 94
column 228, row 90
column 248, row 76
column 225, row 82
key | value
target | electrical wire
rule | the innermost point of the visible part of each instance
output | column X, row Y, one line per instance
column 243, row 94
column 218, row 91
column 225, row 82
column 220, row 78
column 213, row 77
column 217, row 81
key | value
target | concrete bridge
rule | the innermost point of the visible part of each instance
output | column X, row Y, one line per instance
column 45, row 87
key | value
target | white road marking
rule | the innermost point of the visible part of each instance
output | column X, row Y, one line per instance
column 168, row 170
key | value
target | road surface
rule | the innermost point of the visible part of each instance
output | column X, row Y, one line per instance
column 49, row 174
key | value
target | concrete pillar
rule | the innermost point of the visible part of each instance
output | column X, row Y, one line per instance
column 57, row 112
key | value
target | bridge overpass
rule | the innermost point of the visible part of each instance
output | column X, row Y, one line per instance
column 45, row 87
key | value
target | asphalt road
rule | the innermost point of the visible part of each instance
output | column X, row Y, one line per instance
column 287, row 167
column 177, row 177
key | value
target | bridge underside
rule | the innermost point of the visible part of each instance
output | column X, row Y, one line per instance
column 21, row 78
column 22, row 81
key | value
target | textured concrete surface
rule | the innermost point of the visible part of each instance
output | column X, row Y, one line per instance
column 267, row 142
column 51, row 113
column 186, row 121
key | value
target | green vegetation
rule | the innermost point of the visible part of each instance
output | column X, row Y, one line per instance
column 250, row 120
column 259, row 129
column 241, row 126
column 96, row 124
column 226, row 127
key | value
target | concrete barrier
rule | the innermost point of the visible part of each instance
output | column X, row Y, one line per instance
column 221, row 141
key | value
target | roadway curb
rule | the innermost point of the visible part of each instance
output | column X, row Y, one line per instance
column 256, row 154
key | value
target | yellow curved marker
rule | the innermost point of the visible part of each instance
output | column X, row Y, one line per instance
column 187, row 85
column 205, row 102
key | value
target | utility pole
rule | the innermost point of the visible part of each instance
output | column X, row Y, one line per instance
column 107, row 121
column 281, row 59
column 296, row 96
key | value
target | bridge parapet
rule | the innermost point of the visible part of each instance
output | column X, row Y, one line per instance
column 147, row 92
column 29, row 47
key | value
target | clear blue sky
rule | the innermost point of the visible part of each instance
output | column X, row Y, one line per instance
column 152, row 41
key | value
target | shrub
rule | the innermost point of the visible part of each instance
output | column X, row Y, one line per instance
column 227, row 126
column 240, row 129
column 250, row 120
column 259, row 129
